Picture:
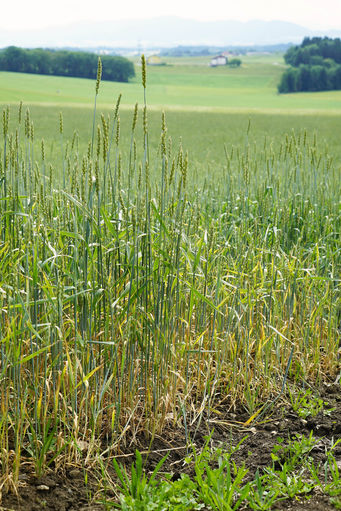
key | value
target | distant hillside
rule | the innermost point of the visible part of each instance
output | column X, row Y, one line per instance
column 163, row 32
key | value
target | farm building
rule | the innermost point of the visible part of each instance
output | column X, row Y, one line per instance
column 219, row 60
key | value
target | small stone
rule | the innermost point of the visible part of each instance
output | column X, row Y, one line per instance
column 43, row 487
column 274, row 432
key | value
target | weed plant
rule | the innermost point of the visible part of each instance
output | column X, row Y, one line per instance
column 293, row 475
column 136, row 294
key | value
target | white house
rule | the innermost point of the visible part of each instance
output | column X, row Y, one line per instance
column 219, row 60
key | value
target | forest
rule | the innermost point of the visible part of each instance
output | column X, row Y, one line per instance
column 65, row 63
column 315, row 65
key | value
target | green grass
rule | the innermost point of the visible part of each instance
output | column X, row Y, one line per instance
column 194, row 86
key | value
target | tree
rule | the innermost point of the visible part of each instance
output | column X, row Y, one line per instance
column 234, row 63
column 289, row 81
column 13, row 59
column 304, row 78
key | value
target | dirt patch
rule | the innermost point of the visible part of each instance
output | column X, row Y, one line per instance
column 63, row 492
column 68, row 492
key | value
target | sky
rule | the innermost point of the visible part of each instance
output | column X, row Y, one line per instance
column 35, row 14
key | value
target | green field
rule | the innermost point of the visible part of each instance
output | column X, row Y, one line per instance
column 160, row 277
column 194, row 86
column 192, row 94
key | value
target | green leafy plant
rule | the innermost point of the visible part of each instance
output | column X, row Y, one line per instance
column 140, row 492
column 288, row 483
column 332, row 476
column 220, row 488
column 327, row 476
column 295, row 452
column 135, row 487
column 288, row 476
column 305, row 404
column 262, row 495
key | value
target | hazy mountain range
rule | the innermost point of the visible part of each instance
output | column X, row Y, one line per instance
column 162, row 32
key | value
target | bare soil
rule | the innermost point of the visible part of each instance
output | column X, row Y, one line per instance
column 67, row 491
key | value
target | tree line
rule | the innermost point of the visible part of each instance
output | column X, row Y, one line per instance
column 315, row 66
column 65, row 63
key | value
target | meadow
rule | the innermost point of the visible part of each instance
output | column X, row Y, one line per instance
column 193, row 95
column 164, row 274
column 194, row 86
